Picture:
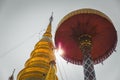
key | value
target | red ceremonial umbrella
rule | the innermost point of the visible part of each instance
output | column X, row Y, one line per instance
column 86, row 21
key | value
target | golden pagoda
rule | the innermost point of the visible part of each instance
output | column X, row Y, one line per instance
column 41, row 64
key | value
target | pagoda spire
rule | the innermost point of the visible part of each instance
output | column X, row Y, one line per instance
column 48, row 31
column 41, row 64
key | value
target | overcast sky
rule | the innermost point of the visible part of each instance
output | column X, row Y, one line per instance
column 22, row 23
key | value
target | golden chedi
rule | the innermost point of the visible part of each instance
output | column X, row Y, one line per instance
column 41, row 64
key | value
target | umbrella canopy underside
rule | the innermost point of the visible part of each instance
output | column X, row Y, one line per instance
column 86, row 21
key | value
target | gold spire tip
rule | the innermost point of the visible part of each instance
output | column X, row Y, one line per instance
column 51, row 18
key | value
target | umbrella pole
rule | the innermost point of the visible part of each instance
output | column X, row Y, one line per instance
column 85, row 46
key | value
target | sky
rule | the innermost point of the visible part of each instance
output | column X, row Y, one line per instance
column 22, row 23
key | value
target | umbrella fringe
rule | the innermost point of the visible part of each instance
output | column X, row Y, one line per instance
column 96, row 61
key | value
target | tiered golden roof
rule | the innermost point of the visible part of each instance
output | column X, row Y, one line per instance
column 41, row 64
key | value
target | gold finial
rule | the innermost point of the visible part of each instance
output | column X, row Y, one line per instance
column 48, row 30
column 51, row 18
